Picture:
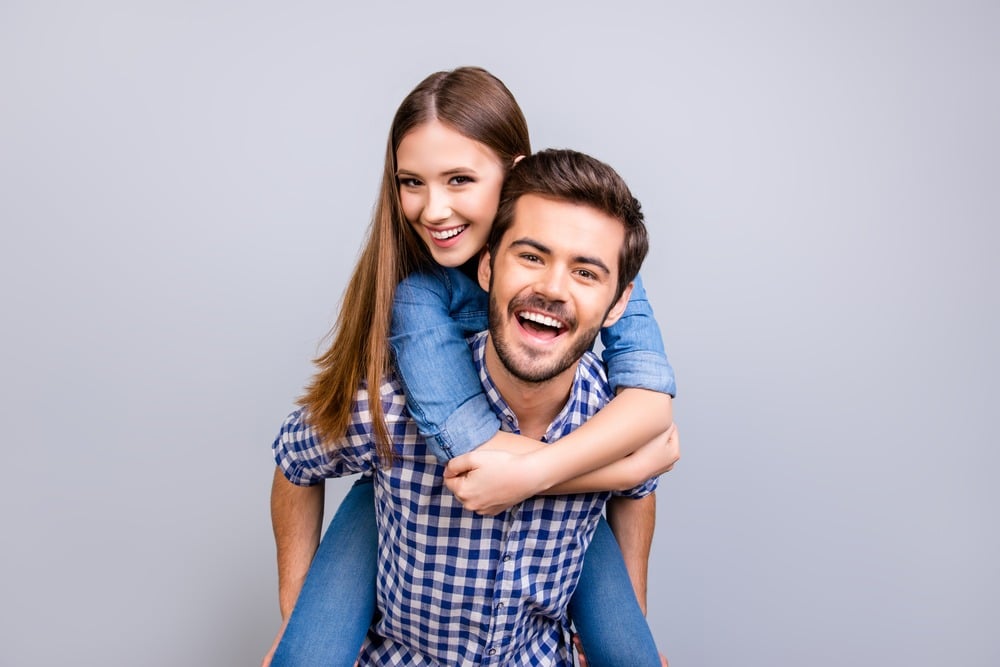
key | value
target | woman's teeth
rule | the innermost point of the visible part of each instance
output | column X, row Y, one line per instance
column 447, row 233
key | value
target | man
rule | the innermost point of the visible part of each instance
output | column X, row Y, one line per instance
column 456, row 587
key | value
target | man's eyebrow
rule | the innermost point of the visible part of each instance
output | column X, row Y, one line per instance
column 545, row 250
column 531, row 243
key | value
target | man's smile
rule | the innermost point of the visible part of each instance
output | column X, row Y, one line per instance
column 541, row 319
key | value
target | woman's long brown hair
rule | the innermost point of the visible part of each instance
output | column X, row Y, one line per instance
column 477, row 105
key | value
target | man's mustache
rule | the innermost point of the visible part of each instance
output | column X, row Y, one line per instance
column 556, row 309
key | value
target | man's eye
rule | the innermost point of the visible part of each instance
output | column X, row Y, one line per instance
column 528, row 257
column 587, row 275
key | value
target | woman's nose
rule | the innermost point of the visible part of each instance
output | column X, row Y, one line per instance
column 438, row 208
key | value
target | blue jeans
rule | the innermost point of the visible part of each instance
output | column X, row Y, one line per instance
column 612, row 629
column 337, row 601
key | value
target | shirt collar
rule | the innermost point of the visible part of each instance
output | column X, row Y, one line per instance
column 568, row 418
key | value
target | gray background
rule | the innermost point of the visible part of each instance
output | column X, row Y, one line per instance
column 183, row 189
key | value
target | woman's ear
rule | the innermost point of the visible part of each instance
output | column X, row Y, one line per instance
column 484, row 270
column 518, row 158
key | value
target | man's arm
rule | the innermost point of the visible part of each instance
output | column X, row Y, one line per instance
column 297, row 519
column 632, row 521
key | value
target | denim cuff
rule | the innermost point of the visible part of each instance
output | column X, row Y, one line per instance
column 472, row 424
column 642, row 370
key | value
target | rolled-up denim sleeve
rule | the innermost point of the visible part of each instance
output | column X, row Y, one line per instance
column 443, row 391
column 633, row 348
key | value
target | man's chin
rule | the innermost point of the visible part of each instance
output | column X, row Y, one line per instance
column 531, row 365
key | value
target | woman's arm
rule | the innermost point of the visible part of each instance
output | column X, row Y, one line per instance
column 432, row 315
column 640, row 412
column 654, row 458
column 633, row 348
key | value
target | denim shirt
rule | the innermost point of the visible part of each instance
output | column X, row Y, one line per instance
column 435, row 311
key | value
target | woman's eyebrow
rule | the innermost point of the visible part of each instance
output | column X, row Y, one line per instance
column 449, row 172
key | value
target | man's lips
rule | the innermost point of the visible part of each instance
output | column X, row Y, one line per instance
column 540, row 324
column 541, row 318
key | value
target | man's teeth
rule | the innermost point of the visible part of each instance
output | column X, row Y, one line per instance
column 538, row 318
column 448, row 233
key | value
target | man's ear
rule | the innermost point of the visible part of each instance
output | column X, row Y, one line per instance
column 484, row 270
column 619, row 306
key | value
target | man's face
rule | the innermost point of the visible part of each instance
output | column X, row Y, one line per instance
column 552, row 285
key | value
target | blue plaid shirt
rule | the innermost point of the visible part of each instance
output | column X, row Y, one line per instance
column 457, row 588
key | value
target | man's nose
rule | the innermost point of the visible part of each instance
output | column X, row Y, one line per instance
column 553, row 283
column 438, row 208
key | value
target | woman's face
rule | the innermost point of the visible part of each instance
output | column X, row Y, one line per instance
column 449, row 186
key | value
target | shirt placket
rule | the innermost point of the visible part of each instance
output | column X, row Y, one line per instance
column 506, row 591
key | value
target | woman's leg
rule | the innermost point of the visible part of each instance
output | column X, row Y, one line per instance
column 604, row 610
column 337, row 602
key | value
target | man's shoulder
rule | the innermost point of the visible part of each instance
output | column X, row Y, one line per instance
column 390, row 394
column 591, row 389
column 592, row 370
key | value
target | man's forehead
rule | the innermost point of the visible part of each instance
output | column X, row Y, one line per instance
column 570, row 226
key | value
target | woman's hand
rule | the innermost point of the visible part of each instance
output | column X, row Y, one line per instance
column 490, row 481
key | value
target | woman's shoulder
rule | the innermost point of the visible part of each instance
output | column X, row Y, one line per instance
column 438, row 280
column 448, row 291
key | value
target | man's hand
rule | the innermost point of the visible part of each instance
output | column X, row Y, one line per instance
column 274, row 646
column 582, row 659
column 490, row 481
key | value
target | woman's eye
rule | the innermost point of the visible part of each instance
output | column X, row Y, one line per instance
column 460, row 180
column 409, row 182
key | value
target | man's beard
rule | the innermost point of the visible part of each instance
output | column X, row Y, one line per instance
column 530, row 367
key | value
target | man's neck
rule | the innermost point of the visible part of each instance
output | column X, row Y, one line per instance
column 535, row 404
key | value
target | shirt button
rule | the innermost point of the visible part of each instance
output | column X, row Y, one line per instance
column 506, row 558
column 499, row 606
column 510, row 419
column 492, row 651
